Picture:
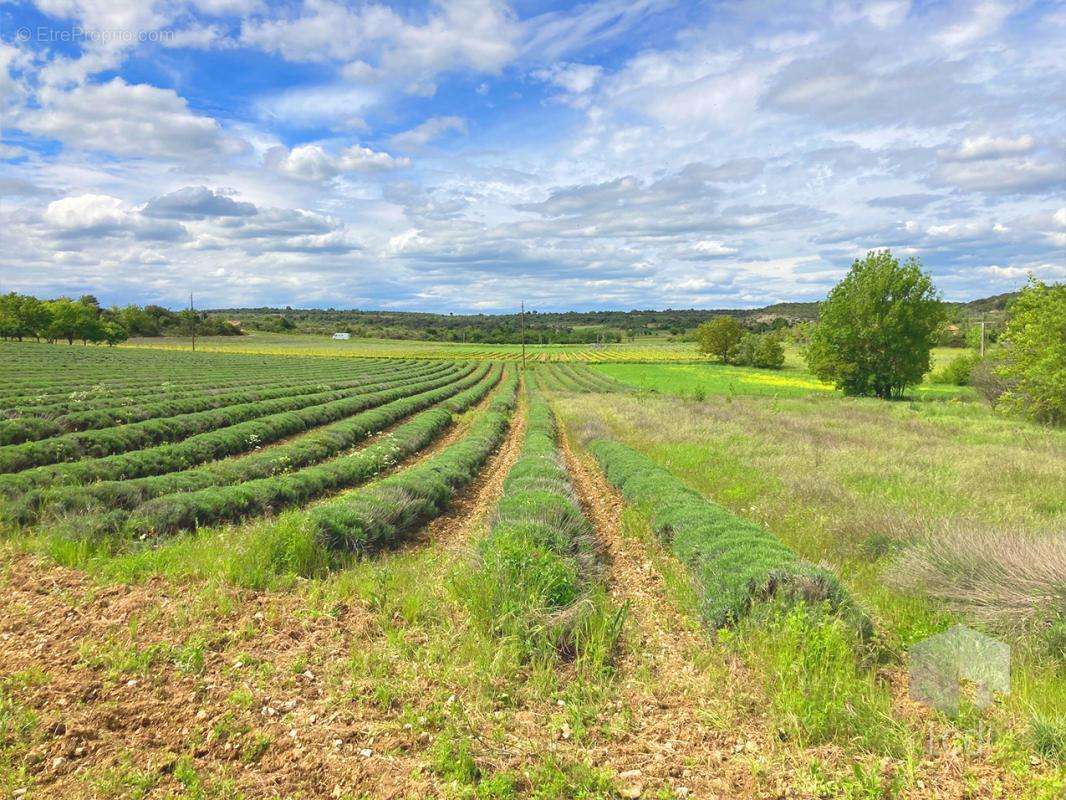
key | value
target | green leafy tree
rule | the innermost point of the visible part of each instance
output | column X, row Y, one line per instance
column 719, row 337
column 769, row 353
column 22, row 316
column 8, row 316
column 744, row 353
column 72, row 320
column 137, row 321
column 877, row 327
column 66, row 319
column 1034, row 358
column 114, row 333
column 34, row 317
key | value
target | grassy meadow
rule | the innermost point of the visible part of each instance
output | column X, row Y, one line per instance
column 699, row 380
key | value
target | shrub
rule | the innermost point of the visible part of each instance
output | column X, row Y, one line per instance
column 204, row 447
column 109, row 440
column 17, row 431
column 1035, row 356
column 185, row 510
column 1006, row 580
column 734, row 562
column 370, row 517
column 769, row 353
column 744, row 353
column 956, row 372
column 315, row 447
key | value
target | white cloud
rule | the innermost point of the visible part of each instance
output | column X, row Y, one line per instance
column 467, row 34
column 708, row 248
column 432, row 128
column 982, row 147
column 313, row 162
column 108, row 15
column 573, row 78
column 132, row 120
column 363, row 159
column 95, row 215
column 337, row 105
column 1005, row 176
column 307, row 162
column 12, row 90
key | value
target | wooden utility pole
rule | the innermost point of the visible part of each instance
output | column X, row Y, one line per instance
column 523, row 335
column 192, row 322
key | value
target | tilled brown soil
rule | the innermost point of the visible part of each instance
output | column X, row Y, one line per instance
column 55, row 624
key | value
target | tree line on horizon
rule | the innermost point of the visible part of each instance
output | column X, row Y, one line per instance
column 84, row 320
column 21, row 317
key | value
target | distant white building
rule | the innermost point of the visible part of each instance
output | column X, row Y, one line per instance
column 342, row 336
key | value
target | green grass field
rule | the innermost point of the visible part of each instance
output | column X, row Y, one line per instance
column 706, row 379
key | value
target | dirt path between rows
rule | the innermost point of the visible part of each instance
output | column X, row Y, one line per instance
column 469, row 512
column 452, row 434
column 671, row 743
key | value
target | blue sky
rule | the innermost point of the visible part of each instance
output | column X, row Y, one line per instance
column 466, row 156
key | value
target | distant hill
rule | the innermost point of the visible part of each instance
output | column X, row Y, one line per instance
column 997, row 302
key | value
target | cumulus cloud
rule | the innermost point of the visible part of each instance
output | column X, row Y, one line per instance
column 312, row 162
column 197, row 202
column 95, row 215
column 131, row 120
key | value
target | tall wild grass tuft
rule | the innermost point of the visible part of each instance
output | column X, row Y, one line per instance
column 1007, row 581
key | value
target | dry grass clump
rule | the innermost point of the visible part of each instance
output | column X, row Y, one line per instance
column 1006, row 580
